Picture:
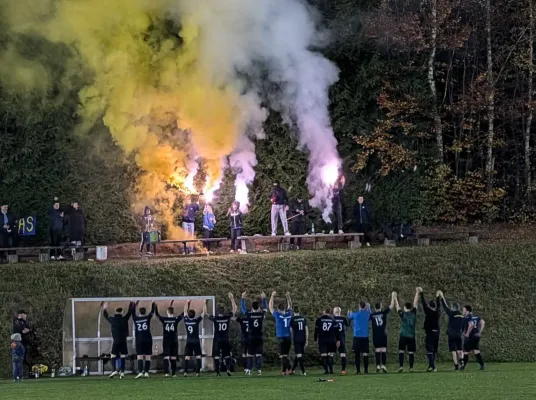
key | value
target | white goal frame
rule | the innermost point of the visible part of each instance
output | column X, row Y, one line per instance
column 75, row 340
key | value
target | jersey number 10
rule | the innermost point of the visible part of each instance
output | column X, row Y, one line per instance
column 222, row 326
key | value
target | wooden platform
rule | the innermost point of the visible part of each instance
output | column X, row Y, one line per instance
column 77, row 253
column 186, row 241
column 319, row 240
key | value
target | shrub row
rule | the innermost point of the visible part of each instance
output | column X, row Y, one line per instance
column 499, row 281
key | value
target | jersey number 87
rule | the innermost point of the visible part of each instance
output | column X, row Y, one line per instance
column 326, row 326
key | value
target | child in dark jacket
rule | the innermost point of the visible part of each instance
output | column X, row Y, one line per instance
column 17, row 356
column 209, row 222
column 235, row 217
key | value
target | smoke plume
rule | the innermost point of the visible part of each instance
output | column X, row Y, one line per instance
column 179, row 81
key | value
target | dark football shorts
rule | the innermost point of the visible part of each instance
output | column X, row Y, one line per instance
column 379, row 341
column 361, row 345
column 299, row 347
column 221, row 348
column 407, row 344
column 255, row 346
column 120, row 349
column 144, row 347
column 432, row 341
column 455, row 343
column 284, row 346
column 193, row 349
column 170, row 348
column 325, row 347
column 342, row 347
column 471, row 344
column 244, row 342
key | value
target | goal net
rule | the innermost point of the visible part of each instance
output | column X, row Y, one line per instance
column 87, row 335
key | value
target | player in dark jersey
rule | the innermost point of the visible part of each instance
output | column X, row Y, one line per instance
column 282, row 317
column 221, row 347
column 119, row 323
column 244, row 333
column 378, row 320
column 255, row 318
column 406, row 342
column 144, row 339
column 327, row 337
column 432, row 311
column 170, row 339
column 342, row 324
column 455, row 329
column 300, row 335
column 193, row 343
column 474, row 325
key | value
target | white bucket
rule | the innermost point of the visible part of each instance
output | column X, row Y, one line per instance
column 102, row 253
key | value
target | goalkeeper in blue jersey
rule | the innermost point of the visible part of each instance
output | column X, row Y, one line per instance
column 282, row 318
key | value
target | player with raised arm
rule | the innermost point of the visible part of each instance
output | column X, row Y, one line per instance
column 282, row 318
column 406, row 342
column 378, row 321
column 474, row 327
column 342, row 324
column 255, row 318
column 221, row 347
column 432, row 311
column 244, row 334
column 144, row 338
column 455, row 329
column 327, row 337
column 300, row 335
column 119, row 324
column 193, row 343
column 361, row 344
column 170, row 339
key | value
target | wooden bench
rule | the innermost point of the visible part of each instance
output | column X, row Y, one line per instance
column 44, row 252
column 319, row 240
column 186, row 241
column 425, row 238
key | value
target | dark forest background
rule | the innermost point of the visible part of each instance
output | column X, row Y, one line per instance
column 433, row 109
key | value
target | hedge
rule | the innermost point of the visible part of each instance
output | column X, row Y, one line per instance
column 499, row 281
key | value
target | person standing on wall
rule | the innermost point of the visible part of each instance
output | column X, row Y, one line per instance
column 209, row 222
column 55, row 225
column 147, row 225
column 298, row 209
column 76, row 222
column 279, row 200
column 188, row 221
column 235, row 217
column 336, row 201
column 8, row 230
column 362, row 219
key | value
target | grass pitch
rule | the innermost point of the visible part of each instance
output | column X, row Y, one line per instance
column 499, row 381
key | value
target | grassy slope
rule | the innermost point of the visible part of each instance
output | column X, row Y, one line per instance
column 500, row 381
column 499, row 280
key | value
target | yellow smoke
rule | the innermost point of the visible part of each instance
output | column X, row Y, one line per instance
column 147, row 87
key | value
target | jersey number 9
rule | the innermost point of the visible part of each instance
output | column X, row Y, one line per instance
column 190, row 329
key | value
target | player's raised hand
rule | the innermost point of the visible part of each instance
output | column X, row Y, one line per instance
column 244, row 294
column 274, row 293
column 287, row 294
column 419, row 289
column 263, row 295
column 137, row 302
column 230, row 295
column 171, row 304
column 104, row 305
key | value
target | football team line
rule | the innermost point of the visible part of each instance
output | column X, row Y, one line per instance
column 464, row 330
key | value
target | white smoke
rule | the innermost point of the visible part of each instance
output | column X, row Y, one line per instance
column 238, row 36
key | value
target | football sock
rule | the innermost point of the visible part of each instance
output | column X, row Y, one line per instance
column 384, row 358
column 365, row 363
column 166, row 366
column 326, row 364
column 401, row 359
column 343, row 363
column 197, row 365
column 295, row 363
column 140, row 366
column 378, row 359
column 115, row 362
column 358, row 362
column 217, row 365
column 147, row 366
column 300, row 361
column 186, row 362
column 465, row 359
column 411, row 360
column 480, row 359
column 173, row 366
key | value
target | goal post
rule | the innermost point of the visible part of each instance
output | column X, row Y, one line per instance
column 87, row 335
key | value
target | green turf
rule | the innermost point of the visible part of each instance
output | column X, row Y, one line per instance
column 499, row 381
